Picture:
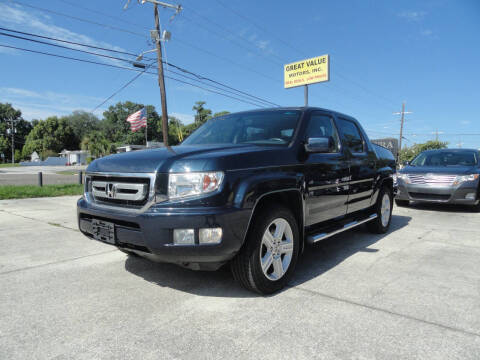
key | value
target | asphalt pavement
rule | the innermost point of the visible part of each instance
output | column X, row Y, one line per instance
column 28, row 175
column 411, row 293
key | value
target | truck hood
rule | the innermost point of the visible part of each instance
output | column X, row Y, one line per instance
column 453, row 170
column 186, row 158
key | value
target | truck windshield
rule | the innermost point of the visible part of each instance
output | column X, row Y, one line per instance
column 260, row 127
column 446, row 158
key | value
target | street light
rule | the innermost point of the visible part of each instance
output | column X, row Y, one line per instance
column 140, row 57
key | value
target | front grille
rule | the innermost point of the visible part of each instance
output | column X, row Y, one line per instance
column 431, row 179
column 425, row 196
column 117, row 190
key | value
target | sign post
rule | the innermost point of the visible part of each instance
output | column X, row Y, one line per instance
column 305, row 72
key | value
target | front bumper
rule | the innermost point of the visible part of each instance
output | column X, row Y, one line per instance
column 451, row 194
column 151, row 233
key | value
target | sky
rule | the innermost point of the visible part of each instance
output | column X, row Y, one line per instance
column 382, row 53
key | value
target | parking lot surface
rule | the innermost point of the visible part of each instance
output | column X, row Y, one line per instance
column 411, row 293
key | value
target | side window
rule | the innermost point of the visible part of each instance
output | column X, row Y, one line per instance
column 321, row 125
column 351, row 136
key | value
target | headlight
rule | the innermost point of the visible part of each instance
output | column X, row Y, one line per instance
column 464, row 178
column 183, row 185
column 403, row 177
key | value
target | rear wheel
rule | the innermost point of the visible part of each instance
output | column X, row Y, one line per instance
column 268, row 258
column 402, row 202
column 383, row 209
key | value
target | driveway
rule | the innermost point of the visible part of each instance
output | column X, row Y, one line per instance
column 412, row 293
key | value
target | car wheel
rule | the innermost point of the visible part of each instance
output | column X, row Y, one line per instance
column 402, row 202
column 383, row 209
column 268, row 258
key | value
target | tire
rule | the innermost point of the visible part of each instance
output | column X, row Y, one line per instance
column 402, row 202
column 279, row 253
column 383, row 209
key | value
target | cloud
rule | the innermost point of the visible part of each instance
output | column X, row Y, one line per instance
column 426, row 32
column 39, row 105
column 261, row 44
column 412, row 15
column 41, row 24
column 465, row 122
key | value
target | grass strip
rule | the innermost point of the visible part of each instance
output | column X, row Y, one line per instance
column 32, row 191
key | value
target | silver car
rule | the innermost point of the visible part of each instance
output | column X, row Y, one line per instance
column 442, row 176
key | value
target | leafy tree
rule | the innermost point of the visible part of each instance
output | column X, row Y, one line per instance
column 51, row 134
column 22, row 128
column 117, row 129
column 4, row 146
column 97, row 144
column 176, row 131
column 408, row 153
column 202, row 114
column 82, row 123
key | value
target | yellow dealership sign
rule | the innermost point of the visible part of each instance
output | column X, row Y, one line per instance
column 307, row 71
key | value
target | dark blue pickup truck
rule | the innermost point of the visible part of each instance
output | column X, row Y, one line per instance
column 251, row 188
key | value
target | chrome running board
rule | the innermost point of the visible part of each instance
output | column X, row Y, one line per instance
column 321, row 236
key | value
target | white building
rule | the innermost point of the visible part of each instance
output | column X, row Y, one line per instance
column 75, row 157
column 34, row 157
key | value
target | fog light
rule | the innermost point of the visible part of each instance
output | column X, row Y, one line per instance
column 470, row 196
column 183, row 237
column 210, row 236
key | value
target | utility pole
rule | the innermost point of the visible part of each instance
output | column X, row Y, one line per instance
column 402, row 120
column 305, row 95
column 13, row 142
column 161, row 79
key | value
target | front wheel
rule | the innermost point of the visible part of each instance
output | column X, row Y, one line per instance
column 268, row 258
column 383, row 209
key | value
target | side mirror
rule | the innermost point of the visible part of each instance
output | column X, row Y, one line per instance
column 319, row 145
column 405, row 163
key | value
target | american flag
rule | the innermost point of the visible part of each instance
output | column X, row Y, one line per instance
column 138, row 120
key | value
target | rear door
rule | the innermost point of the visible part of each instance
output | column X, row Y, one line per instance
column 326, row 174
column 362, row 165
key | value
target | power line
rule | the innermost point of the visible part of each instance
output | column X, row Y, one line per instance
column 185, row 43
column 123, row 87
column 66, row 47
column 240, row 36
column 67, row 57
column 68, row 42
column 248, row 19
column 230, row 62
column 103, row 14
column 200, row 77
column 219, row 83
column 257, row 26
column 111, row 27
column 126, row 68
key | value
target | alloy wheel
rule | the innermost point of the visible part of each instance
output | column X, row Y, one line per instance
column 276, row 249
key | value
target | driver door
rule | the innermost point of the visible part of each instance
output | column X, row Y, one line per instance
column 326, row 174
